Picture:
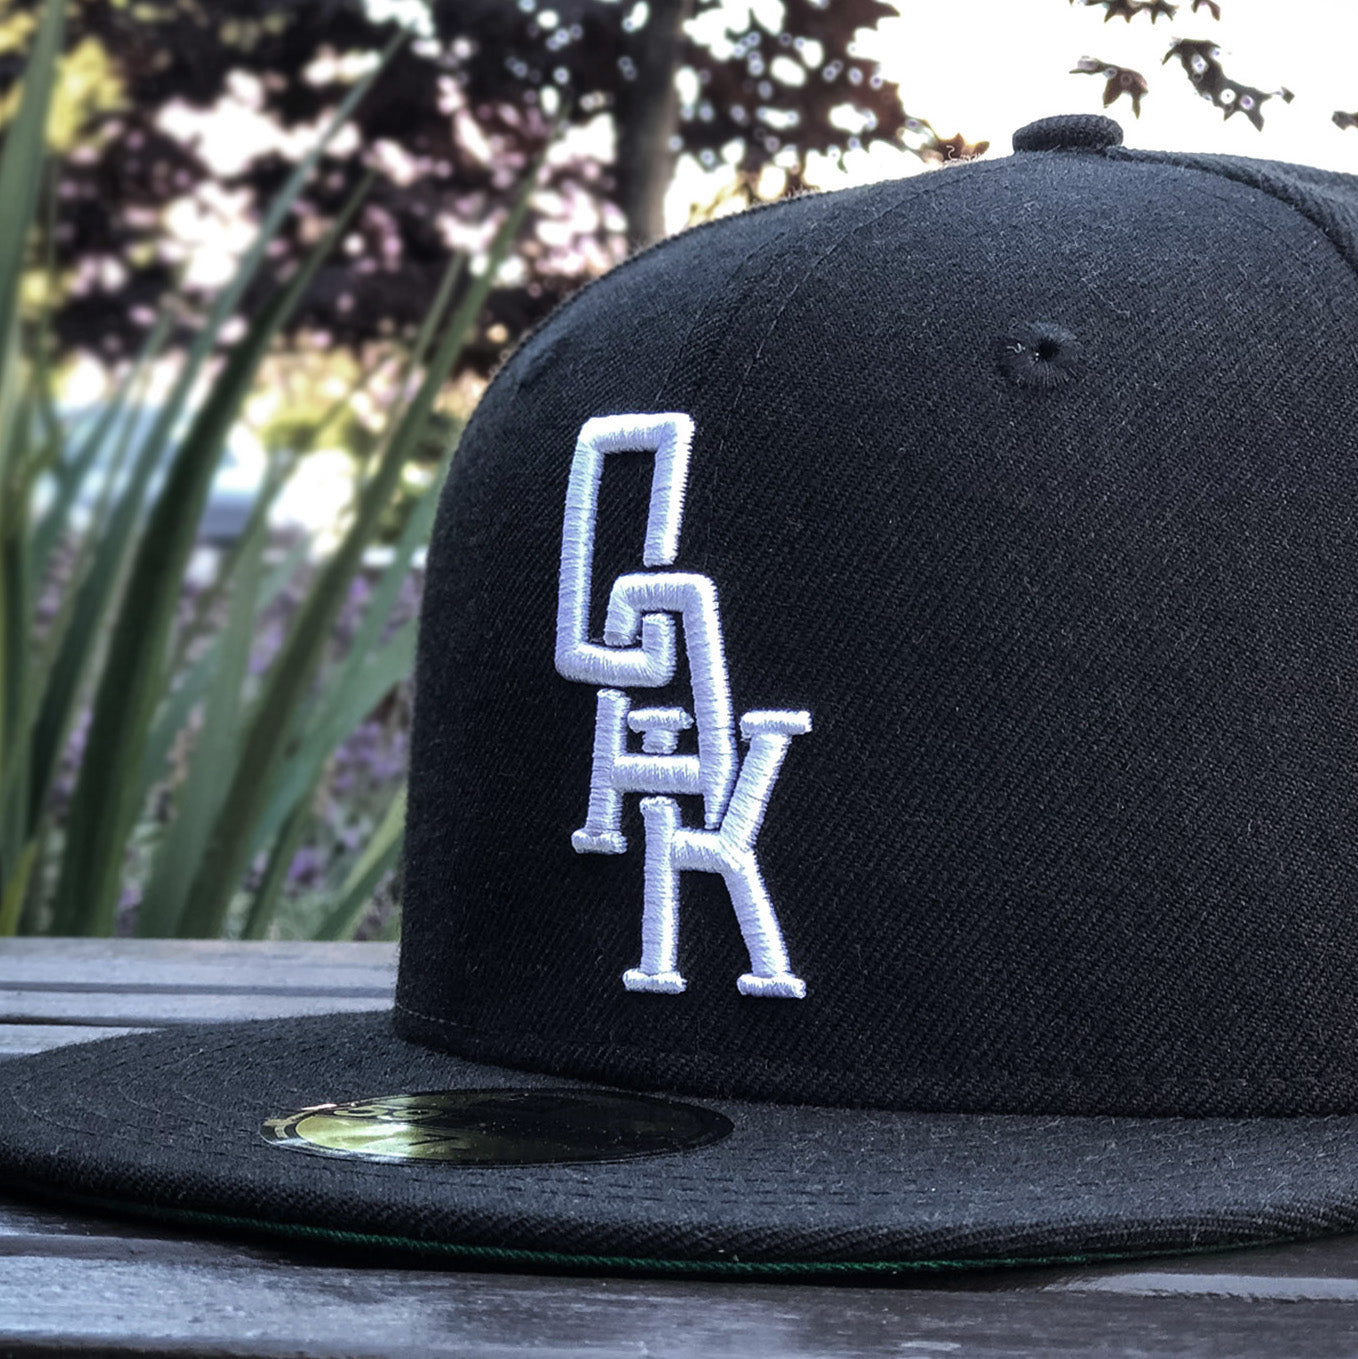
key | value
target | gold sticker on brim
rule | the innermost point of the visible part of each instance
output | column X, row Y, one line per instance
column 515, row 1127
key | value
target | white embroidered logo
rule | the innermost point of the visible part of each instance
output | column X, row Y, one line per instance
column 639, row 651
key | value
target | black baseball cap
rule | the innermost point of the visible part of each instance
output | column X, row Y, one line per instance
column 884, row 788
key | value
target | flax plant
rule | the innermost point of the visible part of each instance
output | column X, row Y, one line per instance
column 257, row 745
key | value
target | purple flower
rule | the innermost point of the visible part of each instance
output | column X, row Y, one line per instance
column 306, row 867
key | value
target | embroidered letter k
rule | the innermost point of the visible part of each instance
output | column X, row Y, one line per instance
column 672, row 848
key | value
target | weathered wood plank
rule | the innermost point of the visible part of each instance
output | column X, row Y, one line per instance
column 127, row 983
column 298, row 1309
column 103, row 1008
column 229, row 952
column 165, row 962
column 1167, row 1284
column 1327, row 1267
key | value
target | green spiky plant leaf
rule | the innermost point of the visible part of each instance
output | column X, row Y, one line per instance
column 233, row 760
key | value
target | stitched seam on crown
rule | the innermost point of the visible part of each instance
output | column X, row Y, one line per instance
column 567, row 303
column 722, row 294
column 917, row 185
column 1131, row 156
column 840, row 240
column 1273, row 1083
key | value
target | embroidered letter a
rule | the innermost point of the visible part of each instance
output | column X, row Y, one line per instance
column 646, row 612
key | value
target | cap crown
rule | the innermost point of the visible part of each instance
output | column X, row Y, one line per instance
column 1023, row 500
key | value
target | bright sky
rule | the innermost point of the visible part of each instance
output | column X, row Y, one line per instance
column 986, row 67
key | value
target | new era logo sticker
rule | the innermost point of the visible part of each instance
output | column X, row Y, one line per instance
column 649, row 614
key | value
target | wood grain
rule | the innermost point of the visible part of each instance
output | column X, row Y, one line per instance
column 169, row 962
column 103, row 983
column 120, row 1008
column 285, row 1308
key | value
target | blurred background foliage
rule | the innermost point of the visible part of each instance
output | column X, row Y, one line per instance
column 257, row 262
column 195, row 110
column 203, row 707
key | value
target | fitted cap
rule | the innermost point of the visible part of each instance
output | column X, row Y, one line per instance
column 884, row 787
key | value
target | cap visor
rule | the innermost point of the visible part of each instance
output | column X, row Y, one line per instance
column 169, row 1124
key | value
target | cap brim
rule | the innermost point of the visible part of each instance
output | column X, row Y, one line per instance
column 169, row 1124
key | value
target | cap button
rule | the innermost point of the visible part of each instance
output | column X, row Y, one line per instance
column 1069, row 132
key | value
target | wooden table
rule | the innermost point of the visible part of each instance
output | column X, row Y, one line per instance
column 94, row 1285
